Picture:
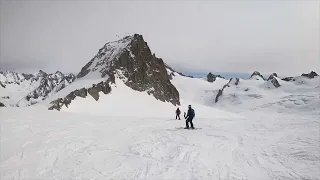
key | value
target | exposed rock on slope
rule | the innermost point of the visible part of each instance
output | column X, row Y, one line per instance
column 310, row 75
column 211, row 77
column 9, row 77
column 232, row 81
column 275, row 82
column 103, row 86
column 2, row 85
column 2, row 105
column 50, row 83
column 272, row 78
column 32, row 88
column 131, row 59
column 288, row 79
column 272, row 75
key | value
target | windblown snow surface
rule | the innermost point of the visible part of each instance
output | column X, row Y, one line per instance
column 258, row 134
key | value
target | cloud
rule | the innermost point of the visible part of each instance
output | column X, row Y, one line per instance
column 192, row 36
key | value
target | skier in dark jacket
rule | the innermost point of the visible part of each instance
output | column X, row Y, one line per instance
column 178, row 112
column 189, row 117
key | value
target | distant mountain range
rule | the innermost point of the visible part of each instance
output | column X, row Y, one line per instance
column 129, row 61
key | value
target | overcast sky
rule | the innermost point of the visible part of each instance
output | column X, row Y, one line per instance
column 192, row 36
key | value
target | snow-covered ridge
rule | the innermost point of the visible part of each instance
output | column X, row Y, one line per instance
column 27, row 89
column 8, row 77
column 300, row 95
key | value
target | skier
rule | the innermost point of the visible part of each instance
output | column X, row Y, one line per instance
column 189, row 117
column 178, row 112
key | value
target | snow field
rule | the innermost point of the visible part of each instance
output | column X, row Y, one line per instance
column 59, row 145
column 263, row 134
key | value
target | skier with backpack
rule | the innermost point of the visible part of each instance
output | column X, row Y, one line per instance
column 189, row 117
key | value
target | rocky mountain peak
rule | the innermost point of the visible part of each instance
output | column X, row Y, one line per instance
column 41, row 73
column 310, row 75
column 256, row 75
column 272, row 78
column 100, row 64
column 211, row 77
column 131, row 59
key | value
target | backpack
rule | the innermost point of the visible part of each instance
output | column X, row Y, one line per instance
column 193, row 113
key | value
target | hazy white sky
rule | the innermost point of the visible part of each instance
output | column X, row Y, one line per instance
column 192, row 36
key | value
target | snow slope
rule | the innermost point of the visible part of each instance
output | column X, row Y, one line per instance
column 123, row 101
column 38, row 144
column 196, row 90
column 301, row 96
column 130, row 135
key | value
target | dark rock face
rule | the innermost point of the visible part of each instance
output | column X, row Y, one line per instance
column 235, row 81
column 103, row 86
column 310, row 75
column 288, row 79
column 147, row 73
column 27, row 76
column 273, row 80
column 272, row 75
column 2, row 105
column 256, row 73
column 100, row 87
column 220, row 76
column 138, row 67
column 211, row 77
column 2, row 85
column 218, row 95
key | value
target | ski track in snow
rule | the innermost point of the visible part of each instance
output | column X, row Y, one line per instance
column 59, row 145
